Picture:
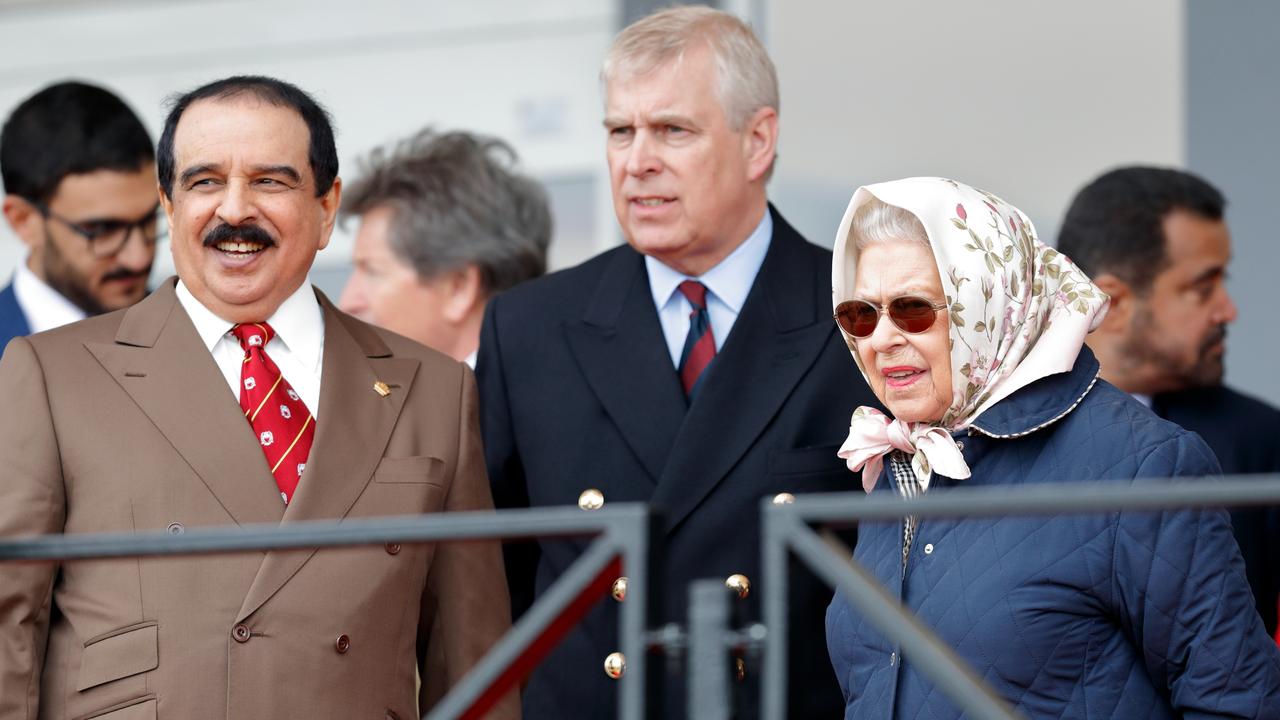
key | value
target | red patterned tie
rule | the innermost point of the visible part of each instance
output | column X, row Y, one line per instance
column 280, row 419
column 700, row 344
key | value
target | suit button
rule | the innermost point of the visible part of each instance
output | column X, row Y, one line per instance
column 175, row 528
column 240, row 633
column 591, row 499
column 620, row 589
column 739, row 584
column 392, row 548
column 342, row 644
column 739, row 669
column 615, row 665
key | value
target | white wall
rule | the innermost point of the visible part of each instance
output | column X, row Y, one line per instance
column 1026, row 100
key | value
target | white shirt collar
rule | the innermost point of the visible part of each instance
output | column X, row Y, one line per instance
column 730, row 280
column 298, row 322
column 44, row 307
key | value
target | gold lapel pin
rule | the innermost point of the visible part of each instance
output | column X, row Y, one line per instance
column 381, row 388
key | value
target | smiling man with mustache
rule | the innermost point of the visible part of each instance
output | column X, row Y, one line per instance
column 1156, row 240
column 235, row 394
column 79, row 183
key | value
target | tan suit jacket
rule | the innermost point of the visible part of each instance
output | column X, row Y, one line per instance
column 124, row 423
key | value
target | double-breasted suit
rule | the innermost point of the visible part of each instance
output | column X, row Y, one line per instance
column 124, row 423
column 578, row 391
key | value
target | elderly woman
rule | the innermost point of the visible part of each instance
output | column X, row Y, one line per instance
column 971, row 332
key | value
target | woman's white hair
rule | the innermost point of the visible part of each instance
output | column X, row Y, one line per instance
column 876, row 221
column 745, row 77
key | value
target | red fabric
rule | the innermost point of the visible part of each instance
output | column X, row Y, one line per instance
column 704, row 347
column 280, row 420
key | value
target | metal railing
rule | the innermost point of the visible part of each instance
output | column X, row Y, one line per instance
column 622, row 541
column 787, row 530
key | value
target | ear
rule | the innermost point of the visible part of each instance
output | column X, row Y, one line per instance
column 466, row 293
column 329, row 204
column 1123, row 300
column 760, row 142
column 166, row 204
column 25, row 220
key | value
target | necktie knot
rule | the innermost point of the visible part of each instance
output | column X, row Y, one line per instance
column 253, row 335
column 696, row 293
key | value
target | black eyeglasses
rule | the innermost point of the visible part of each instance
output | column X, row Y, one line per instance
column 910, row 313
column 107, row 237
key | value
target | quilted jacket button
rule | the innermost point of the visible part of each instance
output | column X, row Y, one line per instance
column 928, row 549
column 960, row 445
column 893, row 659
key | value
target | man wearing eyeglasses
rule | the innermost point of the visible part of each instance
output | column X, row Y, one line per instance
column 80, row 192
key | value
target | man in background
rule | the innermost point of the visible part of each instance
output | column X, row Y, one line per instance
column 445, row 223
column 1156, row 241
column 80, row 192
column 696, row 368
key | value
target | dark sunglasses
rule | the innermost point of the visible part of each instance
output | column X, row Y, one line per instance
column 910, row 313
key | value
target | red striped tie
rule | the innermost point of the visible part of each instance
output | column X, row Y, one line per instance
column 283, row 425
column 700, row 345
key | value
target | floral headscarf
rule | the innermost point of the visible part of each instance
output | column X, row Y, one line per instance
column 1019, row 311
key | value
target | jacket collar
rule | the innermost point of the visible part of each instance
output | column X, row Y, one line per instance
column 1041, row 403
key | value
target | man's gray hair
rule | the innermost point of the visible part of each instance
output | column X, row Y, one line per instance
column 745, row 77
column 456, row 201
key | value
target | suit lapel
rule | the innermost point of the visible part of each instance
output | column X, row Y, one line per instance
column 777, row 337
column 622, row 352
column 353, row 426
column 160, row 361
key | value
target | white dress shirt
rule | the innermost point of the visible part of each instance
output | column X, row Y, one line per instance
column 727, row 286
column 44, row 307
column 297, row 348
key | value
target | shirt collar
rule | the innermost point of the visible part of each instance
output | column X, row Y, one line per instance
column 730, row 280
column 298, row 322
column 44, row 307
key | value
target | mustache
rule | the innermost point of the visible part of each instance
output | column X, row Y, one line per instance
column 127, row 274
column 1216, row 336
column 245, row 233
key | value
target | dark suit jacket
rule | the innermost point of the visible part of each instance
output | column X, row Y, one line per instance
column 124, row 422
column 578, row 390
column 1245, row 435
column 13, row 322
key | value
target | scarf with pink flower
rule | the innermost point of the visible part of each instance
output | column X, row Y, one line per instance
column 1018, row 309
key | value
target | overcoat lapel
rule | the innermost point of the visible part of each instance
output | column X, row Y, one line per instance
column 623, row 354
column 160, row 361
column 353, row 426
column 776, row 338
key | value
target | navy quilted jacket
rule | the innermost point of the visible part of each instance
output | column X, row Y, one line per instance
column 1117, row 615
